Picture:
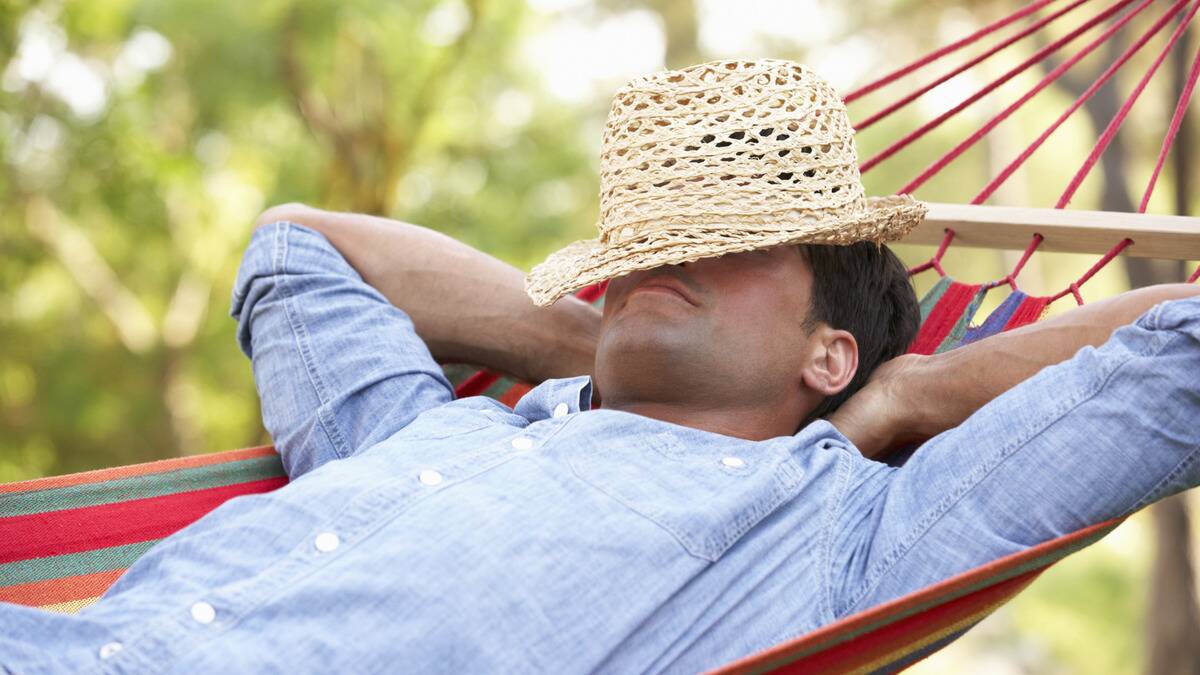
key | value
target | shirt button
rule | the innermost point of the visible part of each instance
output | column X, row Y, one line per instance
column 430, row 477
column 326, row 542
column 522, row 442
column 203, row 612
column 110, row 649
column 733, row 462
column 561, row 410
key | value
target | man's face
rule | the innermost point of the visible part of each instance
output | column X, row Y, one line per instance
column 706, row 331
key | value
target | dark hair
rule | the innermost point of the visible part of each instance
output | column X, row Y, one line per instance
column 862, row 288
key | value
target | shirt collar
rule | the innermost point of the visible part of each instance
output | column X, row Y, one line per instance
column 575, row 393
column 544, row 400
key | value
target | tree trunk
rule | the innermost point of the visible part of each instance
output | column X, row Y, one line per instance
column 682, row 31
column 1172, row 621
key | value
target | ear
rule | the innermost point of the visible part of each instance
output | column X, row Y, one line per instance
column 832, row 360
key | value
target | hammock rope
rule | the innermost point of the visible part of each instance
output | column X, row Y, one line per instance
column 1114, row 125
column 948, row 49
column 1036, row 58
column 909, row 98
column 1102, row 143
column 1104, row 77
column 1073, row 288
column 1185, row 97
column 1046, row 81
column 935, row 263
column 1011, row 277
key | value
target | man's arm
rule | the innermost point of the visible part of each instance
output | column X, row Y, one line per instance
column 1096, row 437
column 467, row 306
column 913, row 398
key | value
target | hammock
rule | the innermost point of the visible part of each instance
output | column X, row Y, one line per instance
column 68, row 538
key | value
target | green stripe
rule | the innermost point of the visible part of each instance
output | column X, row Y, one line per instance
column 139, row 487
column 955, row 336
column 457, row 373
column 73, row 564
column 931, row 298
column 1048, row 558
column 500, row 387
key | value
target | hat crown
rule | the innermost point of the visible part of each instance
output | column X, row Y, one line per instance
column 749, row 145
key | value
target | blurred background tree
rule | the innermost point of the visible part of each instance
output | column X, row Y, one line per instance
column 139, row 139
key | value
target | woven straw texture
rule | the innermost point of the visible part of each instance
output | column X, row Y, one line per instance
column 717, row 158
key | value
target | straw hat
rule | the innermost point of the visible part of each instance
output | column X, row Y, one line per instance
column 717, row 158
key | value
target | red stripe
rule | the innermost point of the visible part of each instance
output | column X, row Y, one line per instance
column 476, row 384
column 892, row 638
column 1030, row 310
column 945, row 314
column 933, row 593
column 38, row 535
column 514, row 394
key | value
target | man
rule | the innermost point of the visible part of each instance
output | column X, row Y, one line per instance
column 693, row 519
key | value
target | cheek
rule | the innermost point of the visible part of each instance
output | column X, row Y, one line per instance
column 766, row 323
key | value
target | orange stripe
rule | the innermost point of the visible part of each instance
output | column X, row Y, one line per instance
column 55, row 591
column 71, row 607
column 921, row 643
column 101, row 475
column 835, row 633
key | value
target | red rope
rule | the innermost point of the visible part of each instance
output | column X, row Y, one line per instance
column 1087, row 94
column 1024, row 65
column 1195, row 276
column 1176, row 120
column 1046, row 81
column 1114, row 125
column 935, row 263
column 950, row 48
column 1073, row 289
column 969, row 64
column 1011, row 279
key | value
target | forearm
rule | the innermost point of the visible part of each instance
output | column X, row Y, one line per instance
column 467, row 306
column 946, row 388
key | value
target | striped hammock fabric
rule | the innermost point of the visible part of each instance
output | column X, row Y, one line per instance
column 68, row 538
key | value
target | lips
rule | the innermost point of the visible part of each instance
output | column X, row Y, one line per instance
column 663, row 283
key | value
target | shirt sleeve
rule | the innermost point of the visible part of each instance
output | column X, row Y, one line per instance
column 338, row 367
column 1099, row 436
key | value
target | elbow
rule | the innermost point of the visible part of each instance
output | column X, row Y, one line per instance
column 294, row 212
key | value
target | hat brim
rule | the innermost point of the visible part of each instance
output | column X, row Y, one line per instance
column 589, row 261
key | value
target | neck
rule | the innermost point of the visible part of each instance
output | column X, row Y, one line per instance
column 749, row 423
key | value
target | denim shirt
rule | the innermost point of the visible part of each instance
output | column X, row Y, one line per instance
column 420, row 533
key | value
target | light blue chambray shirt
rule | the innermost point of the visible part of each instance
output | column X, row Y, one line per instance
column 424, row 534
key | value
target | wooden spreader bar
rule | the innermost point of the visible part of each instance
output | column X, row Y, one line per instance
column 1005, row 227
